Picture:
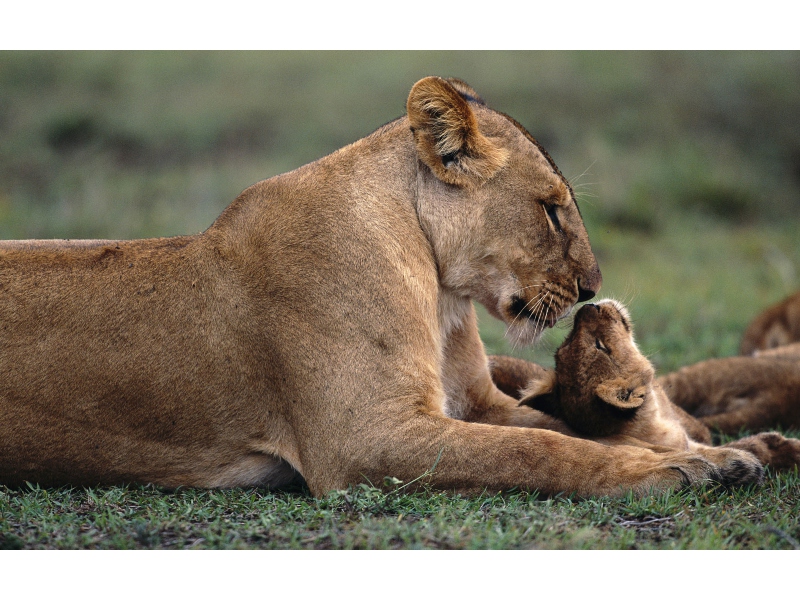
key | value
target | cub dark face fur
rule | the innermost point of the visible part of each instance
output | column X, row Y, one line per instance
column 602, row 384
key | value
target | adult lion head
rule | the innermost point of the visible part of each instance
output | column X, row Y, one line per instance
column 501, row 218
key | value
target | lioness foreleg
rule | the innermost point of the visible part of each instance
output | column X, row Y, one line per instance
column 473, row 457
column 473, row 392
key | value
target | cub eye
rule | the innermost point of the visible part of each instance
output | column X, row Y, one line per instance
column 552, row 214
column 602, row 347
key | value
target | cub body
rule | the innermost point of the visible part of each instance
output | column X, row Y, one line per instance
column 603, row 387
column 755, row 391
column 739, row 393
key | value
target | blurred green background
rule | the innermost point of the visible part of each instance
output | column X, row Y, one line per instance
column 686, row 164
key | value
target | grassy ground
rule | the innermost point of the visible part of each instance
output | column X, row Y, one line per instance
column 687, row 166
column 367, row 518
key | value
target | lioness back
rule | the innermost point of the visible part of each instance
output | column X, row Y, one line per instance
column 146, row 360
column 111, row 351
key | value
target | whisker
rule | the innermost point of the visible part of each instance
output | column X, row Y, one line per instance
column 509, row 330
column 586, row 199
column 537, row 314
column 572, row 180
column 546, row 312
column 532, row 306
column 527, row 287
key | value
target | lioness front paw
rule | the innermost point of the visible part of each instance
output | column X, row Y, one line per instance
column 736, row 467
column 674, row 470
column 679, row 469
column 694, row 470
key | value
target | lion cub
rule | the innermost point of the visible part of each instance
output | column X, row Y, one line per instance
column 778, row 325
column 738, row 393
column 605, row 389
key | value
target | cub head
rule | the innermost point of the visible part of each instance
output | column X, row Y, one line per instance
column 501, row 219
column 601, row 379
column 777, row 326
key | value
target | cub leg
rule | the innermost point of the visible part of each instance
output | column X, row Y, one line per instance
column 695, row 429
column 772, row 449
column 511, row 375
column 753, row 414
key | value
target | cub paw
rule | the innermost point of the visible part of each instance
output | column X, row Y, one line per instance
column 778, row 452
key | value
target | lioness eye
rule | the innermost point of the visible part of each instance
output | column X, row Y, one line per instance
column 600, row 346
column 552, row 214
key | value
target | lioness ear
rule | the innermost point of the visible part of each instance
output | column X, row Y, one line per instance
column 618, row 394
column 446, row 133
column 541, row 394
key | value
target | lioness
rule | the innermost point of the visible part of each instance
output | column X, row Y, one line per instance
column 322, row 326
column 603, row 387
column 778, row 325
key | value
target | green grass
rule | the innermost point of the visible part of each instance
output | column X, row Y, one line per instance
column 687, row 168
column 368, row 518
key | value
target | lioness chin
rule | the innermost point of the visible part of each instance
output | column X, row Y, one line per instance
column 322, row 327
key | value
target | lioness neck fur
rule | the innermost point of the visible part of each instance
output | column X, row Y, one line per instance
column 604, row 387
column 322, row 326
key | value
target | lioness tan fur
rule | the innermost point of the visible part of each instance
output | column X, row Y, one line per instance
column 323, row 326
column 778, row 325
column 603, row 386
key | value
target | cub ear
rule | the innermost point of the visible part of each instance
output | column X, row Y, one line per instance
column 619, row 395
column 541, row 394
column 446, row 133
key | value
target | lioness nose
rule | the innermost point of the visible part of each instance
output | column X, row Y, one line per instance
column 584, row 295
column 588, row 286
